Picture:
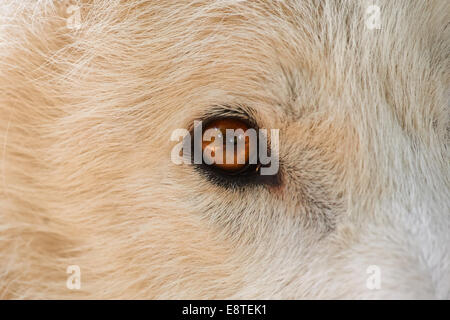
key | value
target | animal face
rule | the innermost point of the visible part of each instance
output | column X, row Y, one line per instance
column 357, row 208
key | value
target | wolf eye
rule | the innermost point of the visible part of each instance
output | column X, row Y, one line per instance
column 231, row 153
column 226, row 149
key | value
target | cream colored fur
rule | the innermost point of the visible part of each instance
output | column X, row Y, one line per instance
column 85, row 172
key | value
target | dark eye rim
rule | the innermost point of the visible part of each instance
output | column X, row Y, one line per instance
column 248, row 175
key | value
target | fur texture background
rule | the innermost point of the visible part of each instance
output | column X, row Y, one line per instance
column 85, row 173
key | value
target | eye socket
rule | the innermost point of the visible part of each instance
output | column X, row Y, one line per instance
column 234, row 152
column 244, row 168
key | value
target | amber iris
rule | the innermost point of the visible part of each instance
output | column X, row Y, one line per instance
column 235, row 153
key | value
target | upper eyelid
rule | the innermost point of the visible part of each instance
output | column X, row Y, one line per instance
column 226, row 112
